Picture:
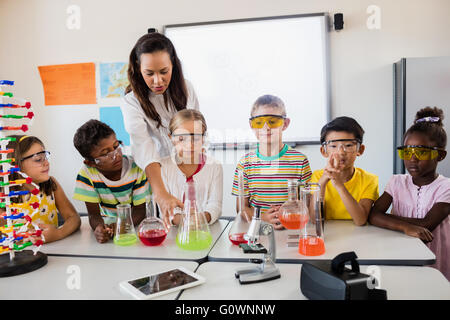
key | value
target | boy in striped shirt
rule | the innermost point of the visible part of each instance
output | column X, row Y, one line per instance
column 267, row 169
column 107, row 178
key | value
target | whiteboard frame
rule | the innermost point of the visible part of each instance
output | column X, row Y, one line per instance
column 325, row 15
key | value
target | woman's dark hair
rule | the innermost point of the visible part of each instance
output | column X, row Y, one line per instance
column 21, row 146
column 89, row 135
column 150, row 43
column 342, row 124
column 428, row 121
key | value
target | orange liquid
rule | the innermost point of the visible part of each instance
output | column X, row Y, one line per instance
column 311, row 246
column 294, row 220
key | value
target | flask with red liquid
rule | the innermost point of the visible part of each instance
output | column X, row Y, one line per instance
column 152, row 230
column 311, row 241
column 242, row 221
column 293, row 215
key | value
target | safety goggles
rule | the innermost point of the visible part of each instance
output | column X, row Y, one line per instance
column 347, row 145
column 187, row 137
column 110, row 155
column 38, row 159
column 272, row 120
column 420, row 152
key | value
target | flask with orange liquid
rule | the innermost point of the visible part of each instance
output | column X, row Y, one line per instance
column 242, row 221
column 311, row 241
column 293, row 215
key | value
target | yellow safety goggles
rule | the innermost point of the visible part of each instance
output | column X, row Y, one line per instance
column 420, row 152
column 273, row 121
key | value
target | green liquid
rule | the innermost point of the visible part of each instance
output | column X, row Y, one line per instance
column 125, row 239
column 196, row 240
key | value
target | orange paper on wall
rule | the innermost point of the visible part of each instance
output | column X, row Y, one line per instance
column 68, row 84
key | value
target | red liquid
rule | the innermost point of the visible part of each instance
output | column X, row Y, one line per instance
column 293, row 220
column 311, row 246
column 152, row 237
column 237, row 238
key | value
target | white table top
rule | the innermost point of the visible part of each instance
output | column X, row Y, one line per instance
column 371, row 244
column 99, row 278
column 400, row 282
column 83, row 243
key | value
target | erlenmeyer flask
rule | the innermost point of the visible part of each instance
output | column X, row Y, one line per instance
column 193, row 231
column 292, row 213
column 125, row 234
column 242, row 221
column 151, row 230
column 311, row 241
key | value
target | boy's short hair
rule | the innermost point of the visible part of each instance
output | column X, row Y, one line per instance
column 342, row 124
column 268, row 100
column 89, row 135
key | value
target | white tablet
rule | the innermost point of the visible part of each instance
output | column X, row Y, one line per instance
column 158, row 284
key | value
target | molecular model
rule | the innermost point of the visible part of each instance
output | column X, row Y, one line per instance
column 18, row 230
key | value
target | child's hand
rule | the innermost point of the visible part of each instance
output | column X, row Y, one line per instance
column 168, row 207
column 103, row 233
column 176, row 220
column 418, row 232
column 50, row 232
column 271, row 216
column 333, row 170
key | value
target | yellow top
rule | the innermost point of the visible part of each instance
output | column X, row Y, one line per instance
column 48, row 214
column 363, row 185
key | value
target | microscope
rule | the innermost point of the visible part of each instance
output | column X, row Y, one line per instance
column 265, row 269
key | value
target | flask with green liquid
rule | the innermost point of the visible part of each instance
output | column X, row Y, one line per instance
column 125, row 234
column 193, row 231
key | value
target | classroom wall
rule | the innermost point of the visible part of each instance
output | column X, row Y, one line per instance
column 34, row 33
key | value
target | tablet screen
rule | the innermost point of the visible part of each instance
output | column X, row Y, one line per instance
column 162, row 281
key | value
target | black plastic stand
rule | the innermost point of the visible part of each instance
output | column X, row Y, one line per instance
column 24, row 261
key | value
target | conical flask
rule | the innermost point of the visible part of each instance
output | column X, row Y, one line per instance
column 311, row 242
column 151, row 230
column 193, row 231
column 125, row 234
column 242, row 221
column 293, row 214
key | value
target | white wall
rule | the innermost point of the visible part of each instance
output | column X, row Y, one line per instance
column 34, row 33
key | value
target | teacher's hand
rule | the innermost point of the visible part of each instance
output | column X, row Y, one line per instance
column 168, row 204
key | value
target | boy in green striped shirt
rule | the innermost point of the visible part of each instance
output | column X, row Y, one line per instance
column 107, row 178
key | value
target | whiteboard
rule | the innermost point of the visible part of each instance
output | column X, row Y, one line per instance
column 232, row 63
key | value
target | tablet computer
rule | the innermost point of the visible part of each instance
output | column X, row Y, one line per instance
column 154, row 285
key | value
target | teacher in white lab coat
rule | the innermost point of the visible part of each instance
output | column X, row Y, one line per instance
column 156, row 92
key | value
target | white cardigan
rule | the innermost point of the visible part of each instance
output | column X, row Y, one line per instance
column 149, row 143
column 208, row 183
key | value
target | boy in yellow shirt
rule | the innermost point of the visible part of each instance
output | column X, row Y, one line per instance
column 348, row 192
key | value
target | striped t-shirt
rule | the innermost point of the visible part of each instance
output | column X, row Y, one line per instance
column 93, row 186
column 265, row 178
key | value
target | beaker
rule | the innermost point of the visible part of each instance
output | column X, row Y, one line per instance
column 193, row 231
column 311, row 242
column 293, row 215
column 125, row 234
column 242, row 221
column 152, row 230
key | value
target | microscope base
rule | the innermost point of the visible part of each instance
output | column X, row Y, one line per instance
column 255, row 275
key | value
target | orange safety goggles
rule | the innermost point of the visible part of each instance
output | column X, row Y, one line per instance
column 272, row 120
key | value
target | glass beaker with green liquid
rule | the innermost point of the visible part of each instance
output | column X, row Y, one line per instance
column 193, row 231
column 125, row 234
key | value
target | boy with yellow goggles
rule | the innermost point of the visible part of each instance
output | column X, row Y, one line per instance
column 272, row 120
column 420, row 152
